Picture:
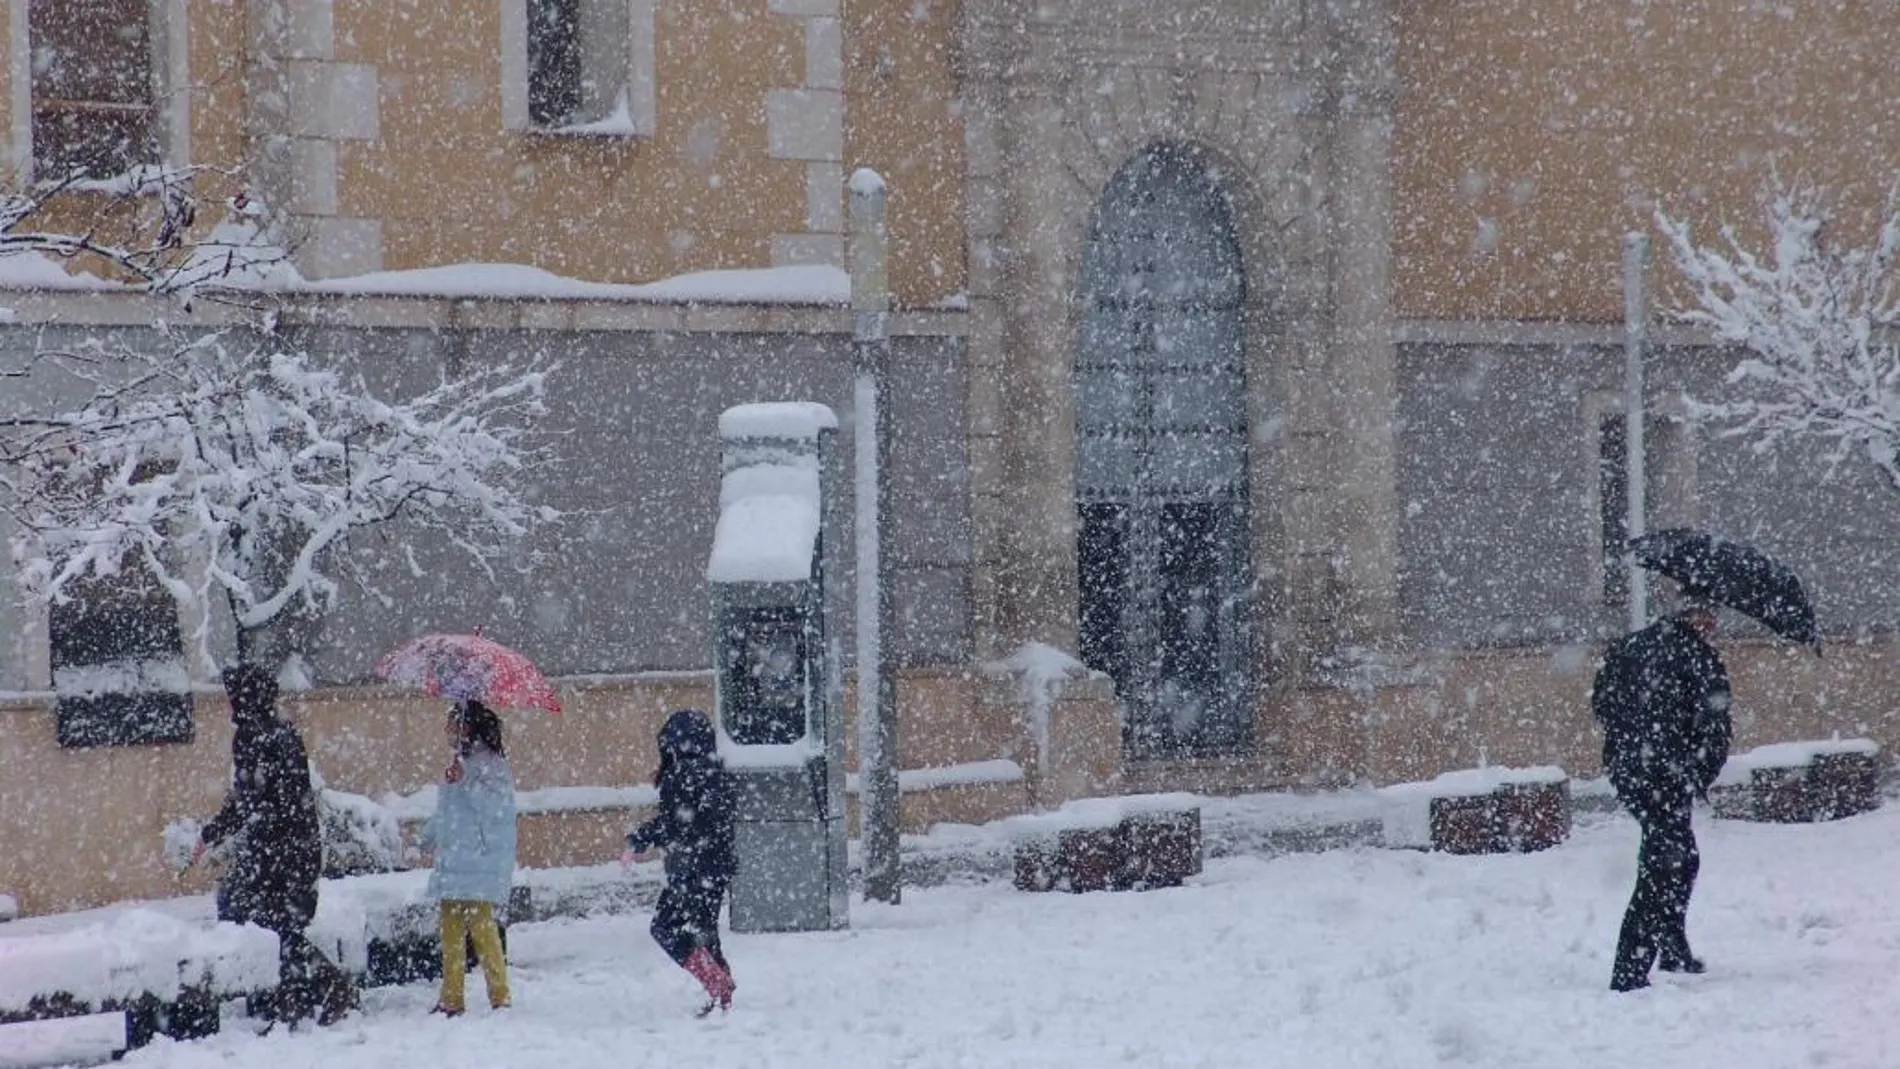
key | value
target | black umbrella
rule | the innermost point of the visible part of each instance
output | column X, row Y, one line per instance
column 1739, row 576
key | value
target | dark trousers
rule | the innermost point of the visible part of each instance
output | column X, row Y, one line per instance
column 1656, row 921
column 687, row 918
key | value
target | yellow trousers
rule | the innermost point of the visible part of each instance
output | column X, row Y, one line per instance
column 462, row 921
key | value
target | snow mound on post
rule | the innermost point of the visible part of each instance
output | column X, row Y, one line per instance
column 1041, row 672
column 777, row 419
column 769, row 510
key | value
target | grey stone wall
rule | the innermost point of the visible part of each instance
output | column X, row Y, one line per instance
column 632, row 444
column 1498, row 520
column 632, row 436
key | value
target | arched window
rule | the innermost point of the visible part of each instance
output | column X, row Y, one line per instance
column 1161, row 455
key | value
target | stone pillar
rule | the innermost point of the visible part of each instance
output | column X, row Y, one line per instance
column 807, row 123
column 1363, row 356
column 303, row 104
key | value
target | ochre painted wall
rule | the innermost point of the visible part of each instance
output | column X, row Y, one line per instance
column 451, row 185
column 903, row 118
column 1530, row 136
column 83, row 827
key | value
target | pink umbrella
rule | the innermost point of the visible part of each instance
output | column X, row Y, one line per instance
column 469, row 668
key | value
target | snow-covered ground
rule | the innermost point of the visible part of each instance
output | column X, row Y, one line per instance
column 1351, row 958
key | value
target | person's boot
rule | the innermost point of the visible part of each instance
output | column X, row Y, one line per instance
column 712, row 976
column 340, row 997
column 1682, row 961
column 1622, row 979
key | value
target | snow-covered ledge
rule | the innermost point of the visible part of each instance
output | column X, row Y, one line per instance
column 798, row 299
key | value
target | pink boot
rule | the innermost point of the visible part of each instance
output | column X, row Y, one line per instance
column 712, row 976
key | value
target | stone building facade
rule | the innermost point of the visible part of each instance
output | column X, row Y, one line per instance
column 1260, row 355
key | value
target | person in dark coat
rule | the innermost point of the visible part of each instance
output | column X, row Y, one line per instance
column 270, row 818
column 1662, row 699
column 694, row 827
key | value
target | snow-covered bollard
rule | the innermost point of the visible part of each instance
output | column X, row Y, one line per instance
column 1480, row 811
column 1799, row 782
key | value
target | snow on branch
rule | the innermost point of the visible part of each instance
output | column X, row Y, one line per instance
column 143, row 226
column 1815, row 316
column 234, row 470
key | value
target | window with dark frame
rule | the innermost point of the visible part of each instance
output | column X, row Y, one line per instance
column 554, row 61
column 94, row 101
column 118, row 660
column 1613, row 506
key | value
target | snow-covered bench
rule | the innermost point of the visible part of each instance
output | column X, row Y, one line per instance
column 1798, row 782
column 1480, row 811
column 1136, row 842
column 164, row 970
column 167, row 966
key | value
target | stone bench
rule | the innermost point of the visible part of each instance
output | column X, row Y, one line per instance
column 1799, row 782
column 1134, row 843
column 1480, row 811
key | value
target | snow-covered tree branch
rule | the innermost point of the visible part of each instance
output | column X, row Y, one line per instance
column 233, row 471
column 1815, row 317
column 141, row 228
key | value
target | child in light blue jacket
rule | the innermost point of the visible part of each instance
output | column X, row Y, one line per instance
column 473, row 836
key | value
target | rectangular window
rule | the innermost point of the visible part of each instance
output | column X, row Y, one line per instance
column 766, row 689
column 554, row 61
column 580, row 68
column 1101, row 558
column 1613, row 506
column 118, row 660
column 94, row 106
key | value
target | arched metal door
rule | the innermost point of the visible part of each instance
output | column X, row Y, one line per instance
column 1161, row 480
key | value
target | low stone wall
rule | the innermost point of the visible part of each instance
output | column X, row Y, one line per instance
column 85, row 827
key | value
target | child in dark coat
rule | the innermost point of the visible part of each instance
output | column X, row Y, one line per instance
column 694, row 826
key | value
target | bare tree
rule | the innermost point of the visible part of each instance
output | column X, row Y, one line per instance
column 142, row 228
column 1814, row 316
column 233, row 470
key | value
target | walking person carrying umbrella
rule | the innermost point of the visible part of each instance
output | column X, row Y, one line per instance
column 1662, row 699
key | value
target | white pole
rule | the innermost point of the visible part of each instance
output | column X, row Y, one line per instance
column 1635, row 330
column 877, row 687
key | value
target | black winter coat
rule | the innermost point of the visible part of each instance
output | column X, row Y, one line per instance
column 271, row 813
column 1662, row 699
column 697, row 804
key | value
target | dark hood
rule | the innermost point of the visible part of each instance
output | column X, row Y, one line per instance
column 688, row 737
column 253, row 694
